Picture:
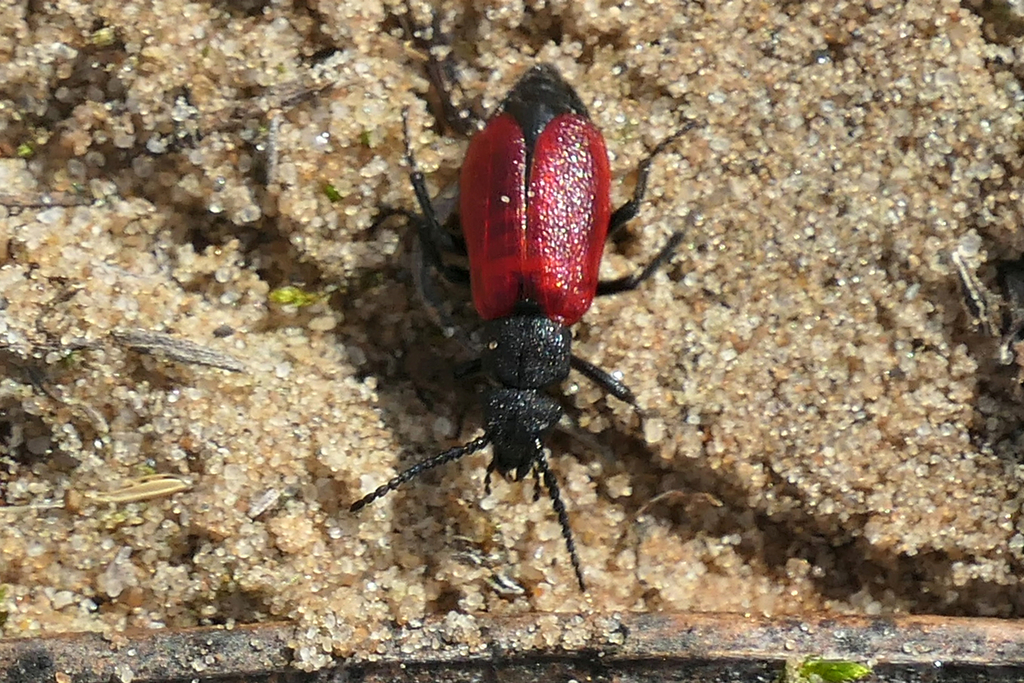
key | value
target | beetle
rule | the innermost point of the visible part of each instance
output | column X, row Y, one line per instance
column 535, row 212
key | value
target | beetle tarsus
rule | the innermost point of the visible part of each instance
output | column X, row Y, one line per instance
column 429, row 221
column 631, row 282
column 629, row 210
column 440, row 72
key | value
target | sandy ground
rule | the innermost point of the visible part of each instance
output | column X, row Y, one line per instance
column 828, row 426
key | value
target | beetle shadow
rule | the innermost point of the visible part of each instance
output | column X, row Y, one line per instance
column 692, row 498
column 704, row 500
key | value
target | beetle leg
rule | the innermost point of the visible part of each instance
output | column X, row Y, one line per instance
column 487, row 477
column 448, row 456
column 457, row 244
column 536, row 484
column 433, row 300
column 431, row 235
column 453, row 274
column 603, row 379
column 470, row 367
column 541, row 465
column 631, row 282
column 569, row 425
column 443, row 241
column 386, row 212
column 629, row 210
column 441, row 72
column 606, row 381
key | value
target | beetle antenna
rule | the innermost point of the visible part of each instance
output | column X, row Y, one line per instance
column 440, row 71
column 541, row 465
column 448, row 456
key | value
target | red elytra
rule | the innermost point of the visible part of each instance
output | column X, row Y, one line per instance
column 535, row 233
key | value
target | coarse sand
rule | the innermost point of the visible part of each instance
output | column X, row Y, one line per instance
column 826, row 425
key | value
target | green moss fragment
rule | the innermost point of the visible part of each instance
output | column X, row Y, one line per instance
column 26, row 150
column 145, row 470
column 104, row 37
column 71, row 359
column 331, row 192
column 290, row 295
column 834, row 670
column 818, row 670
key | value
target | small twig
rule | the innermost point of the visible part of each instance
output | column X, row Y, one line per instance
column 38, row 200
column 181, row 350
column 137, row 490
column 144, row 488
column 688, row 498
column 976, row 295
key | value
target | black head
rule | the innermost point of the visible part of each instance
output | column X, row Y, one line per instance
column 516, row 421
column 526, row 351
